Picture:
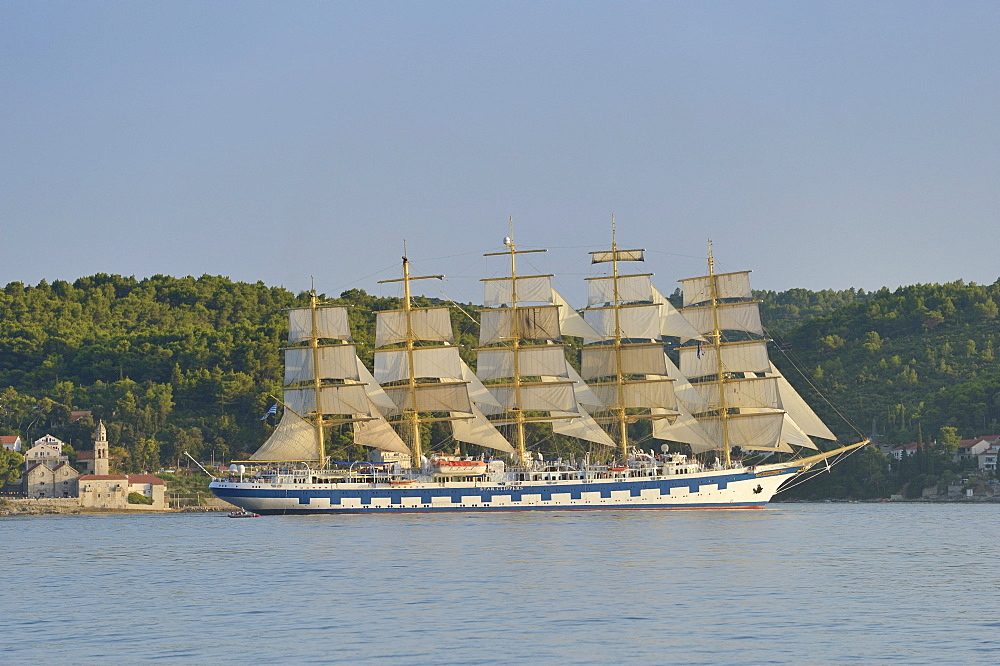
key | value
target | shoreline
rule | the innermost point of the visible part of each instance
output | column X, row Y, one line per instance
column 10, row 507
column 36, row 507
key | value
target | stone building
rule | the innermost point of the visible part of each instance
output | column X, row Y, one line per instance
column 48, row 474
column 104, row 491
column 101, row 449
column 59, row 480
column 47, row 471
column 150, row 486
column 96, row 462
column 111, row 491
column 85, row 462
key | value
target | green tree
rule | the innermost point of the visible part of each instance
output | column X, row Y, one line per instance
column 11, row 463
column 948, row 439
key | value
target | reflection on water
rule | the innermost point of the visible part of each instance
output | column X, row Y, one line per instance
column 790, row 584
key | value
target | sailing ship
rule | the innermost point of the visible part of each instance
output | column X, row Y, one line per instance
column 725, row 396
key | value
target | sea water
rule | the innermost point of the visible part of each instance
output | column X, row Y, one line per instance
column 793, row 583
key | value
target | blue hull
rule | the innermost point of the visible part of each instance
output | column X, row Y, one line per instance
column 720, row 490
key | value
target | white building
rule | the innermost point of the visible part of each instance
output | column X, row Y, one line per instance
column 47, row 450
column 11, row 442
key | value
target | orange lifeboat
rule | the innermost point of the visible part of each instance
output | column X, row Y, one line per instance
column 457, row 467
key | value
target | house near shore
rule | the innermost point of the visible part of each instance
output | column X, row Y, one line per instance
column 111, row 491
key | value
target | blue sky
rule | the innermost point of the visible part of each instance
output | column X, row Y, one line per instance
column 821, row 144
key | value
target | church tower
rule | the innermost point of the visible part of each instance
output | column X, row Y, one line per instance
column 101, row 450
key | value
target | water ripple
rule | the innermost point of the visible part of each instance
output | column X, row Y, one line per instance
column 798, row 583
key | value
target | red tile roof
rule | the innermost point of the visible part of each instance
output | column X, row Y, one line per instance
column 9, row 439
column 969, row 443
column 85, row 455
column 104, row 477
column 146, row 478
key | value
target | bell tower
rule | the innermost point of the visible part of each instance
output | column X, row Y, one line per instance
column 101, row 450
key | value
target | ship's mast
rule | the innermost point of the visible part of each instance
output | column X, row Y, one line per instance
column 619, row 377
column 515, row 334
column 716, row 336
column 639, row 379
column 515, row 339
column 413, row 415
column 318, row 423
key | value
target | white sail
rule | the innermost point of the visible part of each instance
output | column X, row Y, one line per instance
column 728, row 285
column 530, row 289
column 532, row 361
column 635, row 359
column 478, row 430
column 434, row 362
column 631, row 289
column 378, row 434
column 686, row 393
column 442, row 397
column 537, row 396
column 749, row 356
column 582, row 426
column 731, row 317
column 293, row 439
column 335, row 362
column 337, row 399
column 533, row 323
column 793, row 435
column 570, row 321
column 637, row 394
column 672, row 322
column 684, row 428
column 607, row 256
column 584, row 394
column 637, row 322
column 331, row 323
column 374, row 391
column 759, row 392
column 752, row 431
column 800, row 411
column 433, row 324
column 479, row 394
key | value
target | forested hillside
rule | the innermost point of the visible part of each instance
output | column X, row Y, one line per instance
column 170, row 364
column 912, row 360
column 175, row 364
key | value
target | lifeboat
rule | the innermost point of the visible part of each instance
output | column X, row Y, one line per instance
column 456, row 467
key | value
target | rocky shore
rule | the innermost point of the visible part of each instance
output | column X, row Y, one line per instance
column 71, row 506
